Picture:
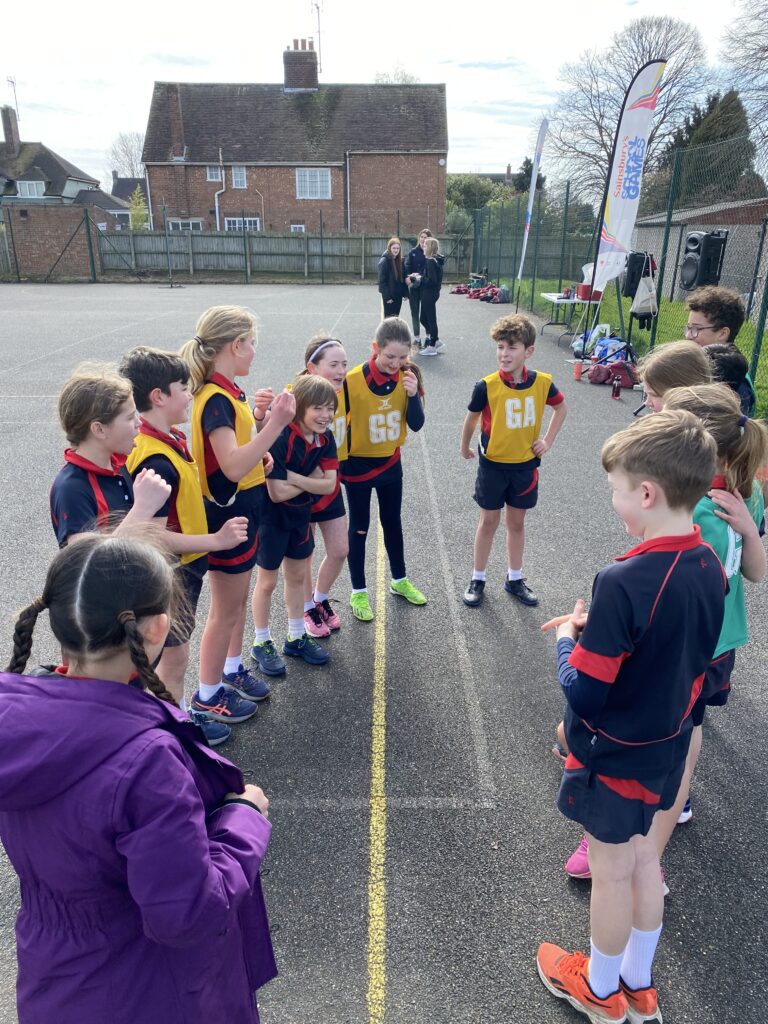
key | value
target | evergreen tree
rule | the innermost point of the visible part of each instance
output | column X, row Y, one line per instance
column 138, row 210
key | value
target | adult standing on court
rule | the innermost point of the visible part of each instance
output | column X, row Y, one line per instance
column 414, row 268
column 391, row 283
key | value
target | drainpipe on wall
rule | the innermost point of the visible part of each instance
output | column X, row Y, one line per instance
column 149, row 202
column 261, row 197
column 221, row 191
column 349, row 205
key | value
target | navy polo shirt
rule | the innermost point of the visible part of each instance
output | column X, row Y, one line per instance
column 292, row 451
column 83, row 495
column 639, row 664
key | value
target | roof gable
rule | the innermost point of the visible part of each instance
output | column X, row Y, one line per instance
column 36, row 162
column 264, row 124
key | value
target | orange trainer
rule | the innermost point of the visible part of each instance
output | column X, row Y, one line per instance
column 566, row 975
column 642, row 1004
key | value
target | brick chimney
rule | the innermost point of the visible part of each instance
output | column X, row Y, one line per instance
column 300, row 67
column 11, row 132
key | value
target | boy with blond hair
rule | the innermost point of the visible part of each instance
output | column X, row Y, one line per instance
column 509, row 406
column 631, row 672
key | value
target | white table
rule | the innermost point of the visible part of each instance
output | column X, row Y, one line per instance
column 558, row 300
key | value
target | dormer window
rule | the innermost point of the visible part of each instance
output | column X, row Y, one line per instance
column 30, row 189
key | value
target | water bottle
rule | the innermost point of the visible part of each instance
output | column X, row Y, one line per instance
column 616, row 389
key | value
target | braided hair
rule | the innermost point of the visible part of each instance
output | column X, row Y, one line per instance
column 96, row 592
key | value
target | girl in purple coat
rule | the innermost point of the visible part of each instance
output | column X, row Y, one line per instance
column 137, row 847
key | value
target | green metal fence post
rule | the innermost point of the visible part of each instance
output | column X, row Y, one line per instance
column 762, row 316
column 665, row 244
column 501, row 233
column 565, row 235
column 246, row 275
column 89, row 242
column 536, row 249
column 322, row 253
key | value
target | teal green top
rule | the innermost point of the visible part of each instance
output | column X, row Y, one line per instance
column 727, row 546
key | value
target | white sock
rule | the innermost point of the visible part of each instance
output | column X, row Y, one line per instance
column 308, row 606
column 320, row 597
column 183, row 704
column 260, row 636
column 638, row 957
column 363, row 590
column 603, row 972
column 514, row 574
column 232, row 665
column 295, row 629
column 206, row 690
column 478, row 574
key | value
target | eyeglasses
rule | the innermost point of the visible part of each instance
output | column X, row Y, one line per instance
column 692, row 331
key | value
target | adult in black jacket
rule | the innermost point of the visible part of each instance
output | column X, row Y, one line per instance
column 414, row 268
column 391, row 281
column 431, row 282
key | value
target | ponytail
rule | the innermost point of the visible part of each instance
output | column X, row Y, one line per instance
column 745, row 457
column 22, row 636
column 218, row 327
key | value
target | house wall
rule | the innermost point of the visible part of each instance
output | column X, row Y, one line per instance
column 37, row 235
column 379, row 187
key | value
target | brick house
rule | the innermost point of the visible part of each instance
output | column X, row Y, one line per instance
column 272, row 157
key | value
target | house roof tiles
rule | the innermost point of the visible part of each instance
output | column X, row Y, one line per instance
column 36, row 162
column 264, row 124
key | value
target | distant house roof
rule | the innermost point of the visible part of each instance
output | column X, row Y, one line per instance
column 123, row 188
column 103, row 200
column 263, row 124
column 756, row 209
column 36, row 162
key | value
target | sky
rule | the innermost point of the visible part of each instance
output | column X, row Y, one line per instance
column 82, row 81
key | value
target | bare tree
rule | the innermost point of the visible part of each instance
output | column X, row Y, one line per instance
column 584, row 120
column 124, row 155
column 399, row 76
column 746, row 51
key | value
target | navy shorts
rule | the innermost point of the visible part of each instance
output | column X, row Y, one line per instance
column 503, row 483
column 190, row 578
column 277, row 542
column 717, row 686
column 613, row 810
column 335, row 510
column 241, row 558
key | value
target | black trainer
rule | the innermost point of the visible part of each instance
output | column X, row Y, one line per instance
column 524, row 595
column 473, row 595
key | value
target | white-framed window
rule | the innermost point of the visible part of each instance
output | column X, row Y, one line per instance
column 213, row 172
column 238, row 177
column 236, row 223
column 298, row 229
column 313, row 183
column 177, row 224
column 30, row 189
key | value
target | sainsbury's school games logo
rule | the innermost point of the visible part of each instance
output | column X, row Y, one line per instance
column 630, row 170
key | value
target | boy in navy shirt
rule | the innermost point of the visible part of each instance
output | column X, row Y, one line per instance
column 631, row 673
column 98, row 416
column 305, row 465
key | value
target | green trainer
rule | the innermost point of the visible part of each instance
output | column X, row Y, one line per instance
column 361, row 606
column 407, row 590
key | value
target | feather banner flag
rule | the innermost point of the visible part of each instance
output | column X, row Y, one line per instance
column 532, row 193
column 625, row 173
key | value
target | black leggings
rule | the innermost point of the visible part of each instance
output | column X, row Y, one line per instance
column 359, row 504
column 429, row 316
column 392, row 308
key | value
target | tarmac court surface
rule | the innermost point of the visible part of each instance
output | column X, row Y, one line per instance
column 417, row 854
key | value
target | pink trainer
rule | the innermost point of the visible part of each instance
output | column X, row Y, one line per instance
column 329, row 616
column 314, row 623
column 577, row 865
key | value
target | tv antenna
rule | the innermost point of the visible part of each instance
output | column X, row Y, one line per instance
column 316, row 7
column 12, row 82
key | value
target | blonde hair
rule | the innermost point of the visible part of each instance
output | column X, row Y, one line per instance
column 310, row 389
column 431, row 247
column 218, row 327
column 670, row 448
column 677, row 365
column 94, row 393
column 741, row 443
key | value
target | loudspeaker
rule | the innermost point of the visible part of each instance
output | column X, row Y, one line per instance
column 703, row 259
column 636, row 263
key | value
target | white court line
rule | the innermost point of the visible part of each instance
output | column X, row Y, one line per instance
column 409, row 803
column 338, row 318
column 81, row 341
column 486, row 784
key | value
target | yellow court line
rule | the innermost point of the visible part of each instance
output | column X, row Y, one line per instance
column 377, row 895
